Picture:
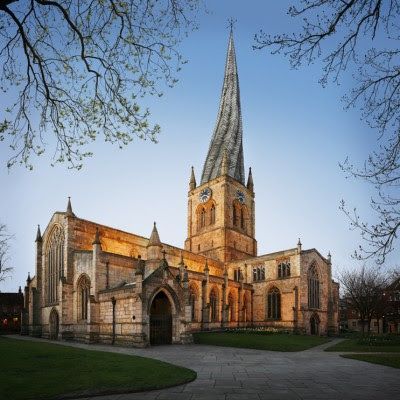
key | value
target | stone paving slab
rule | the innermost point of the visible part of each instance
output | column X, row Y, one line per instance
column 226, row 373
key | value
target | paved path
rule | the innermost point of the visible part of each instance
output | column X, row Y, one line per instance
column 225, row 373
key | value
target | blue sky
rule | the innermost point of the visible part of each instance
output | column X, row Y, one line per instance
column 295, row 134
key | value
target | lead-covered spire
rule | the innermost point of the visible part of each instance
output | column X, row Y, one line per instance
column 228, row 129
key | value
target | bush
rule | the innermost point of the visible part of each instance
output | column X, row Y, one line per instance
column 389, row 339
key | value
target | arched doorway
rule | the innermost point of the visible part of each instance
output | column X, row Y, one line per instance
column 160, row 320
column 314, row 325
column 54, row 324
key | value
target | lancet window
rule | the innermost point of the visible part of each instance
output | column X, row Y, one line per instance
column 274, row 304
column 284, row 269
column 213, row 306
column 83, row 290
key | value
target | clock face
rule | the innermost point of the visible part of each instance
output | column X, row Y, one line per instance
column 240, row 196
column 205, row 195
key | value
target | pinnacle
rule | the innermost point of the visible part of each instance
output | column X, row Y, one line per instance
column 38, row 235
column 69, row 211
column 192, row 183
column 96, row 237
column 250, row 183
column 154, row 237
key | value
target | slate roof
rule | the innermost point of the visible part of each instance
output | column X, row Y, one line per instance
column 228, row 130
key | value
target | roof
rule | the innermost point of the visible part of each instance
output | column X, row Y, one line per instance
column 228, row 130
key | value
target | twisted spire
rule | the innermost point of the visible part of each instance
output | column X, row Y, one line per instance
column 228, row 130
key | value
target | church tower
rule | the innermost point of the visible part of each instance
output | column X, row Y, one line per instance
column 221, row 209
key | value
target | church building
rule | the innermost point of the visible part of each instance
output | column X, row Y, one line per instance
column 94, row 283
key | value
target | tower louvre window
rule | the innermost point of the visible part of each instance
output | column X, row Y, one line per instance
column 203, row 218
column 212, row 215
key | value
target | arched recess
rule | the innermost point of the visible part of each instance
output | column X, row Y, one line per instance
column 231, row 307
column 214, row 301
column 54, row 263
column 194, row 302
column 246, row 307
column 160, row 319
column 314, row 324
column 54, row 324
column 83, row 293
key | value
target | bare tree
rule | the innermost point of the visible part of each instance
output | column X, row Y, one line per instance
column 80, row 68
column 362, row 36
column 363, row 290
column 5, row 268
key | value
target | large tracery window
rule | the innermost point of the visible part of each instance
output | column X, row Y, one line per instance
column 313, row 288
column 55, row 263
column 274, row 304
column 213, row 306
column 83, row 289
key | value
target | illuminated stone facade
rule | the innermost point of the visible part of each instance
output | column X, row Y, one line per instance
column 98, row 284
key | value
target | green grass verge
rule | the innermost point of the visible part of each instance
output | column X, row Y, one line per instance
column 390, row 360
column 266, row 341
column 40, row 370
column 354, row 345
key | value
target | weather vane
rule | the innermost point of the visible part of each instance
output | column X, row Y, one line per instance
column 231, row 23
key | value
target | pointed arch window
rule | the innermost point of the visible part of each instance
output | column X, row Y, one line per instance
column 234, row 216
column 231, row 308
column 203, row 218
column 274, row 304
column 55, row 263
column 212, row 215
column 193, row 303
column 242, row 219
column 83, row 290
column 213, row 306
column 313, row 287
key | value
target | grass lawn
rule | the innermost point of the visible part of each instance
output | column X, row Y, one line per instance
column 261, row 341
column 390, row 360
column 39, row 370
column 355, row 346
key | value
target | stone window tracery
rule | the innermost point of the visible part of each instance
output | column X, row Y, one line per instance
column 55, row 263
column 258, row 273
column 83, row 289
column 284, row 269
column 313, row 287
column 274, row 304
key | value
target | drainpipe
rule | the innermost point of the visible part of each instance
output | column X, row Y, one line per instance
column 113, row 301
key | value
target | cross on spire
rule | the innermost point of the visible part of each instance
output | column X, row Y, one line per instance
column 231, row 23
